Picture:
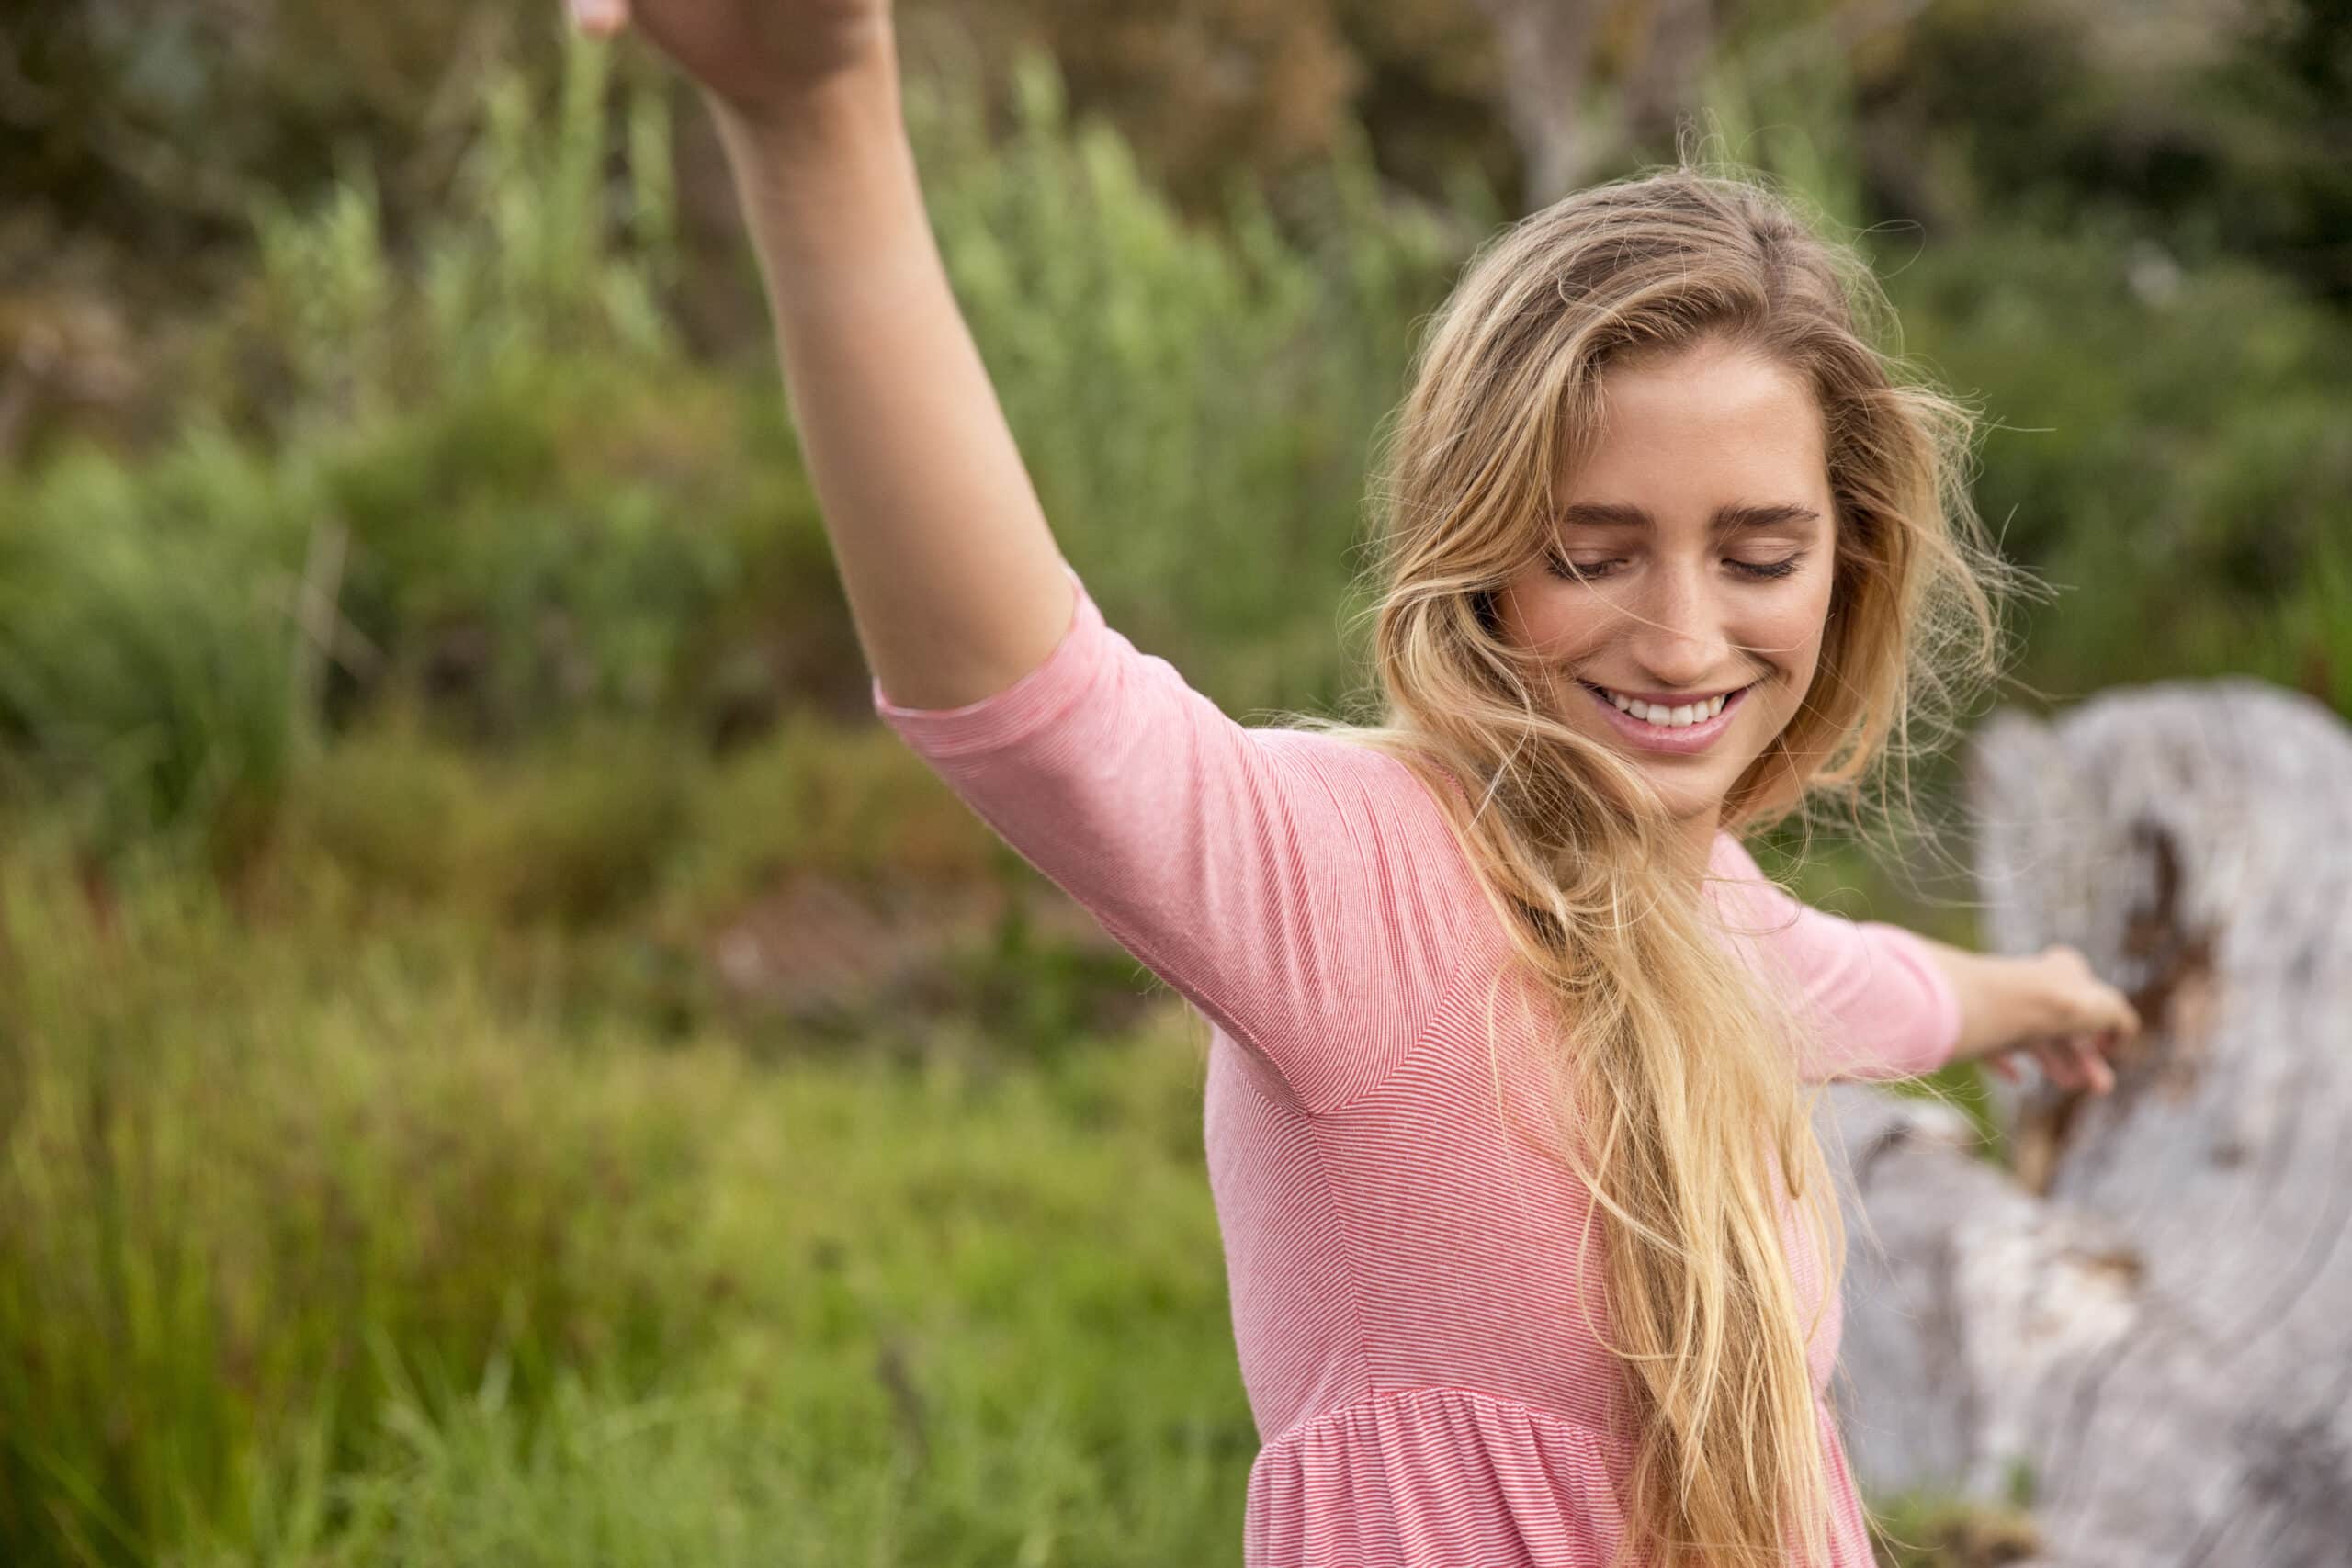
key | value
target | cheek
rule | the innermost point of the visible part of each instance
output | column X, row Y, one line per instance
column 1561, row 635
column 1545, row 622
column 1792, row 633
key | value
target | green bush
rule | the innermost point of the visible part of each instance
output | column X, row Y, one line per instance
column 148, row 644
column 539, row 510
column 1196, row 405
column 2167, row 445
column 529, row 259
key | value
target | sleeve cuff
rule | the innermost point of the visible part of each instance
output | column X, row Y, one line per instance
column 1004, row 717
column 1943, row 1020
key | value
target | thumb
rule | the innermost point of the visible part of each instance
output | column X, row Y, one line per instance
column 2110, row 1010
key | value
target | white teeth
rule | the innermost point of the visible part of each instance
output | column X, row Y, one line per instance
column 1669, row 717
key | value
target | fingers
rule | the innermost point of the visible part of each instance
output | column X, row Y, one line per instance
column 601, row 18
column 2080, row 1002
column 2089, row 1053
column 2103, row 1009
column 2084, row 1021
column 2075, row 1061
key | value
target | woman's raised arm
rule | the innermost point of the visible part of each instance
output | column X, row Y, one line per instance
column 952, row 574
column 1304, row 894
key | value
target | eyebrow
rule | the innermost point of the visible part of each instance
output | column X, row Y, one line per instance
column 1619, row 514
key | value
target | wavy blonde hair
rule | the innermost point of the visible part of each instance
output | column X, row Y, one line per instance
column 1682, row 1109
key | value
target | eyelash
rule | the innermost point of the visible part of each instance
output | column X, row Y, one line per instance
column 1761, row 572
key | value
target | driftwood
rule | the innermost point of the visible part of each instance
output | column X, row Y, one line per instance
column 2148, row 1323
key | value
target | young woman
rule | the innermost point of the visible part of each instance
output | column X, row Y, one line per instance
column 1531, row 1251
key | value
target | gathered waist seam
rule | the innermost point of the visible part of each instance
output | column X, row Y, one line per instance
column 1399, row 1395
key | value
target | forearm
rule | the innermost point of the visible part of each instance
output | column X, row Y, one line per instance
column 2002, row 1001
column 953, row 576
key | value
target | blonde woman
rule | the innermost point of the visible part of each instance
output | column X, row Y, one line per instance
column 1532, row 1253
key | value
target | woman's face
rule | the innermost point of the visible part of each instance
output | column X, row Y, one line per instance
column 1701, row 532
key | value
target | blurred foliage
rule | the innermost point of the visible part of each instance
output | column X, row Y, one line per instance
column 152, row 121
column 146, row 672
column 350, row 1251
column 480, row 443
column 2170, row 447
column 1939, row 1532
column 522, row 501
column 1129, row 348
column 2221, row 127
column 432, row 1122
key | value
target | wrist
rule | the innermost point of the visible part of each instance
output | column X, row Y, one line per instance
column 2002, row 1001
column 828, row 172
column 828, row 186
column 849, row 104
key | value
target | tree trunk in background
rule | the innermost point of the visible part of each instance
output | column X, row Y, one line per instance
column 1663, row 83
column 2153, row 1316
column 1546, row 52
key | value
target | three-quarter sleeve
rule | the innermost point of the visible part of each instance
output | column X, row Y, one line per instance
column 1305, row 893
column 1880, row 1004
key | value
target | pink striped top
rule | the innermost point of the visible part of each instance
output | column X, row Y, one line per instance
column 1400, row 1237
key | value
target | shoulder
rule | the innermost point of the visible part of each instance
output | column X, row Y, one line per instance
column 1391, row 812
column 1368, row 773
column 1731, row 858
column 1750, row 903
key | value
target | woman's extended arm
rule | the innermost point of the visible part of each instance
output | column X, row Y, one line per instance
column 1892, row 1003
column 952, row 574
column 2050, row 1004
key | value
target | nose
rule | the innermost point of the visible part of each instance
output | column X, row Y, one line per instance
column 1678, row 636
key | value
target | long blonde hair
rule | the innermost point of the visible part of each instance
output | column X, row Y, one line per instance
column 1683, row 1109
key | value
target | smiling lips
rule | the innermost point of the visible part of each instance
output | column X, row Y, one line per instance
column 1656, row 727
column 1674, row 713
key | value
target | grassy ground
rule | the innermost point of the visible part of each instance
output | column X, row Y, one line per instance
column 333, row 1228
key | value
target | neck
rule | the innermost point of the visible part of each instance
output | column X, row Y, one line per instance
column 1695, row 843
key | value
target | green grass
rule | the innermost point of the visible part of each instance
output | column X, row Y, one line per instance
column 332, row 1231
column 1924, row 1530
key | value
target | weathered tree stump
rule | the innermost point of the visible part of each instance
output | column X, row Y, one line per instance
column 2150, row 1319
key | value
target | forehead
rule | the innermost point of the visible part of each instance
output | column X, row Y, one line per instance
column 1683, row 436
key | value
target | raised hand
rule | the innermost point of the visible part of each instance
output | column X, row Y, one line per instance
column 757, row 58
column 2081, row 1022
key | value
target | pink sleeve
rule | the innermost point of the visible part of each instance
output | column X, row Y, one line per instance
column 1883, row 1007
column 1302, row 893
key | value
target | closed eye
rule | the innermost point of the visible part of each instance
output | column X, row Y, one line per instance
column 1590, row 572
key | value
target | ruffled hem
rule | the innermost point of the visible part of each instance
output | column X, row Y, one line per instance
column 1443, row 1478
column 1435, row 1476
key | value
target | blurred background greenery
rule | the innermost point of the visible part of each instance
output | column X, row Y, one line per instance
column 501, row 1059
